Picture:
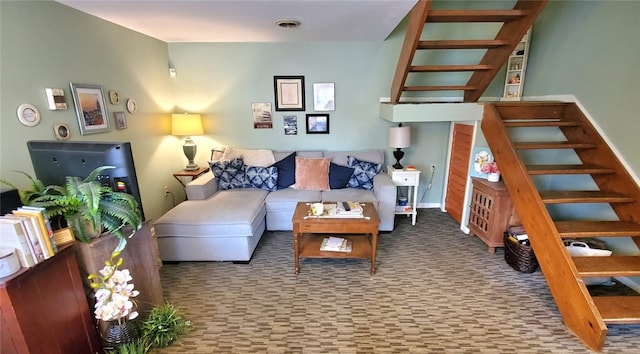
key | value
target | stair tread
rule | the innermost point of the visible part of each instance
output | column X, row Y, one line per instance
column 444, row 16
column 557, row 197
column 553, row 145
column 541, row 123
column 567, row 169
column 462, row 44
column 440, row 88
column 614, row 266
column 449, row 68
column 618, row 309
column 582, row 228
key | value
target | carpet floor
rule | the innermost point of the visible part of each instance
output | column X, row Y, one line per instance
column 436, row 290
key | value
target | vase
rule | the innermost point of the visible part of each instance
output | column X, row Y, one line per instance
column 493, row 177
column 115, row 333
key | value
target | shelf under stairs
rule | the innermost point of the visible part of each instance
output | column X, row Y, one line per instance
column 514, row 24
column 583, row 314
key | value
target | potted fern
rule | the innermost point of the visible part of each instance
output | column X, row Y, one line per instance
column 89, row 207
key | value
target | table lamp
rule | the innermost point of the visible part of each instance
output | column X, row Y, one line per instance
column 187, row 125
column 399, row 137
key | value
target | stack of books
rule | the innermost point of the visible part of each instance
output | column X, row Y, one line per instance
column 335, row 244
column 28, row 231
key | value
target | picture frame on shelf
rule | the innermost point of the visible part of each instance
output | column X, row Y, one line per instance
column 481, row 155
column 317, row 124
column 289, row 93
column 120, row 119
column 90, row 108
column 324, row 96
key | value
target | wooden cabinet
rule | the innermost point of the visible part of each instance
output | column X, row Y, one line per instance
column 491, row 212
column 516, row 69
column 45, row 310
column 141, row 257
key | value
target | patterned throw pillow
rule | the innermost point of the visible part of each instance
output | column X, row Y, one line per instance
column 230, row 173
column 363, row 173
column 262, row 177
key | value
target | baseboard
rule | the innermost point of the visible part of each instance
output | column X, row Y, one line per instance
column 427, row 205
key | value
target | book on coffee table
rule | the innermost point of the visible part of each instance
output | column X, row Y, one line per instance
column 335, row 244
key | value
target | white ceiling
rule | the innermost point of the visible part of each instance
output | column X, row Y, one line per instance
column 252, row 20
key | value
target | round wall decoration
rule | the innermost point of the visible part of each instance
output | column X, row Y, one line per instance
column 61, row 131
column 114, row 97
column 132, row 106
column 28, row 115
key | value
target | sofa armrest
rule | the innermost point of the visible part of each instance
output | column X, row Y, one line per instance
column 384, row 189
column 202, row 187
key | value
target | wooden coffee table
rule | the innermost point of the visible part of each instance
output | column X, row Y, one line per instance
column 308, row 233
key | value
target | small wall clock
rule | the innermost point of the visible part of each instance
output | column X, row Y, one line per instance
column 132, row 106
column 28, row 115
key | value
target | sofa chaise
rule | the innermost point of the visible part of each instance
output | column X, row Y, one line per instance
column 224, row 216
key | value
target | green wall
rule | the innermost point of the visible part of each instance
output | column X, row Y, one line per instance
column 48, row 45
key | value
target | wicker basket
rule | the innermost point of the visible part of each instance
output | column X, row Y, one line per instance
column 520, row 257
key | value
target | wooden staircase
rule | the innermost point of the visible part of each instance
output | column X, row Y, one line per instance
column 583, row 314
column 515, row 23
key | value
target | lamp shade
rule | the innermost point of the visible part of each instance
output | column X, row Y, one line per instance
column 400, row 137
column 186, row 124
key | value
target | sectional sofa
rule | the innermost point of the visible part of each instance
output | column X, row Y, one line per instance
column 250, row 191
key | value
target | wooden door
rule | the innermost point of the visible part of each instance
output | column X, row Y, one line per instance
column 458, row 170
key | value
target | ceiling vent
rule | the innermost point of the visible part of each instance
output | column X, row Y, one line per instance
column 287, row 23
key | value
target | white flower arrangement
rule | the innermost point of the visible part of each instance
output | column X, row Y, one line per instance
column 113, row 292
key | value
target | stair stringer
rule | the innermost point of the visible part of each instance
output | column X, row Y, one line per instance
column 574, row 302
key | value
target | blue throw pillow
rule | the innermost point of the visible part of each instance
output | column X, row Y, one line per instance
column 230, row 173
column 363, row 173
column 339, row 176
column 286, row 171
column 262, row 177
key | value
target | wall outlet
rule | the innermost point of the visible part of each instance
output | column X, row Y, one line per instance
column 433, row 168
column 166, row 190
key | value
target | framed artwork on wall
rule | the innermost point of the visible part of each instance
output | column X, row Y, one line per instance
column 121, row 120
column 317, row 124
column 262, row 115
column 324, row 96
column 90, row 108
column 289, row 93
column 290, row 125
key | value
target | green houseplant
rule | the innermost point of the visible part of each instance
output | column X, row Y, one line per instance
column 88, row 207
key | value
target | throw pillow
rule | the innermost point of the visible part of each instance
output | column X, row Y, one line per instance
column 262, row 177
column 230, row 173
column 363, row 173
column 312, row 174
column 251, row 157
column 286, row 171
column 339, row 176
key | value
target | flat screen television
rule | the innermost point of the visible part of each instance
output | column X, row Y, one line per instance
column 54, row 160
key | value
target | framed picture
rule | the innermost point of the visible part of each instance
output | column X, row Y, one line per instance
column 121, row 120
column 90, row 108
column 324, row 96
column 290, row 125
column 289, row 92
column 481, row 155
column 317, row 124
column 262, row 115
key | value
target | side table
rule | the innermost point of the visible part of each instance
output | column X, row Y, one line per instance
column 193, row 174
column 410, row 179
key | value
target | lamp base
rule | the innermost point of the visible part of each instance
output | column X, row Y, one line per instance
column 398, row 154
column 189, row 148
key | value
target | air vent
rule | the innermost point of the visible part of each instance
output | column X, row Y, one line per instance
column 287, row 23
